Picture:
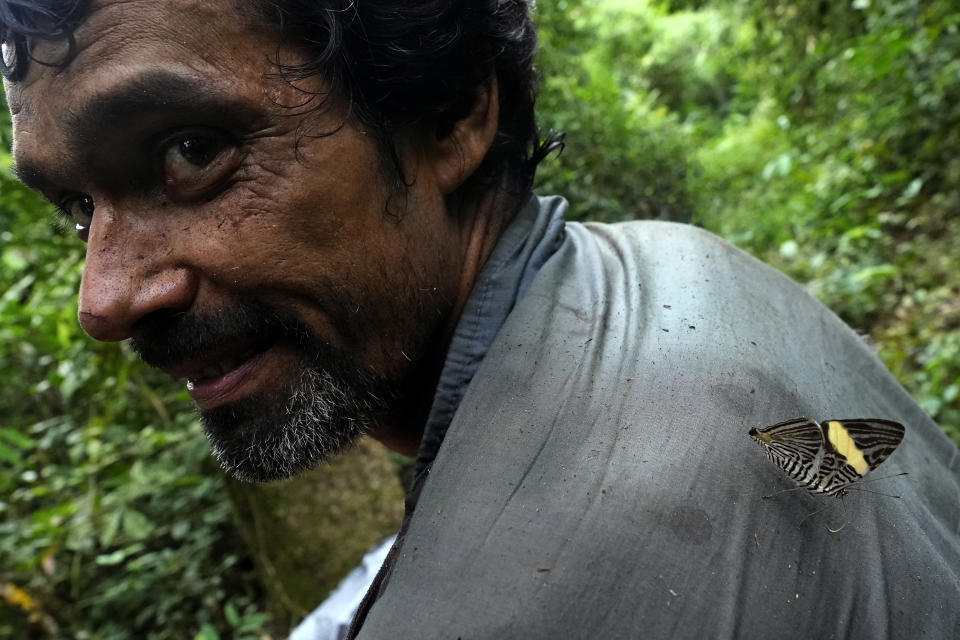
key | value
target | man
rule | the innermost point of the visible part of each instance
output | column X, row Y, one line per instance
column 318, row 215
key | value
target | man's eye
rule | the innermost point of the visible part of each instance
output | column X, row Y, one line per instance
column 78, row 208
column 198, row 151
column 195, row 165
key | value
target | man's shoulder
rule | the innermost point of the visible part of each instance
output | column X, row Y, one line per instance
column 676, row 250
column 648, row 273
column 659, row 231
column 710, row 331
column 602, row 448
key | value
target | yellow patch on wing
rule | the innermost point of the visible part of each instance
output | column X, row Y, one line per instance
column 846, row 447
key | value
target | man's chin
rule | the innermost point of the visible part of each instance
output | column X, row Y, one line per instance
column 285, row 424
column 265, row 437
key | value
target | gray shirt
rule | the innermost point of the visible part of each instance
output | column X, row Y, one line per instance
column 596, row 479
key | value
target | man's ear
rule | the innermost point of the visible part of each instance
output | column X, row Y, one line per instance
column 457, row 155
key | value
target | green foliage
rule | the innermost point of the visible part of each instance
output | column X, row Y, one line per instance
column 818, row 136
column 113, row 522
column 625, row 154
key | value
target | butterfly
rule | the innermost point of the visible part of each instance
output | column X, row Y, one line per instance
column 827, row 457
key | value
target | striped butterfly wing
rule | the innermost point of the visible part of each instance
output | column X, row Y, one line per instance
column 796, row 446
column 853, row 449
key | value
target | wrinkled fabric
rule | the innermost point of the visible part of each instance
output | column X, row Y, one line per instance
column 597, row 480
column 530, row 239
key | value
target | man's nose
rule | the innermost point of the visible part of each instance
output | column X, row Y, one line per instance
column 129, row 274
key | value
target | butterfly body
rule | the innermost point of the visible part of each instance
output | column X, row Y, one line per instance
column 827, row 457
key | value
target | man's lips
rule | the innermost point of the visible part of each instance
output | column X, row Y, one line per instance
column 211, row 392
column 212, row 378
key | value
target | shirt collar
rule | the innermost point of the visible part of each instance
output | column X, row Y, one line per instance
column 528, row 242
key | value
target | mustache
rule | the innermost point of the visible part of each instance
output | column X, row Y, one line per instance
column 168, row 339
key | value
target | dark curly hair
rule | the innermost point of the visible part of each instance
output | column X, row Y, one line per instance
column 23, row 21
column 396, row 63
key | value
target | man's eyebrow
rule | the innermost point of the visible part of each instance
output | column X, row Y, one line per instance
column 151, row 93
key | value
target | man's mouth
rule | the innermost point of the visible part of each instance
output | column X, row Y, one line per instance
column 220, row 378
column 222, row 367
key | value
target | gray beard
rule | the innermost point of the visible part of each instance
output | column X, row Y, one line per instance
column 263, row 437
column 327, row 402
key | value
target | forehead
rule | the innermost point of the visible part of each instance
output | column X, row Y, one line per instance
column 115, row 34
column 118, row 40
column 137, row 52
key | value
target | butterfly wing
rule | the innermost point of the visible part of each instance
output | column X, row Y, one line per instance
column 835, row 475
column 874, row 439
column 828, row 457
column 796, row 446
column 855, row 448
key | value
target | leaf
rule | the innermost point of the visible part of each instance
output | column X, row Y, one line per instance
column 252, row 622
column 180, row 530
column 951, row 392
column 9, row 455
column 778, row 167
column 136, row 525
column 912, row 189
column 230, row 612
column 875, row 274
column 14, row 292
column 789, row 249
column 14, row 260
column 14, row 595
column 109, row 532
column 207, row 632
column 17, row 439
column 118, row 556
column 111, row 559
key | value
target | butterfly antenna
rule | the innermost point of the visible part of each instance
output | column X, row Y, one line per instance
column 845, row 522
column 857, row 487
column 902, row 473
column 879, row 493
column 776, row 493
column 837, row 530
column 813, row 514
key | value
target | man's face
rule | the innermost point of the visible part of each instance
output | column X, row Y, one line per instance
column 240, row 250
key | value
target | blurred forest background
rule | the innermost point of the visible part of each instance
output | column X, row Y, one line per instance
column 820, row 136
